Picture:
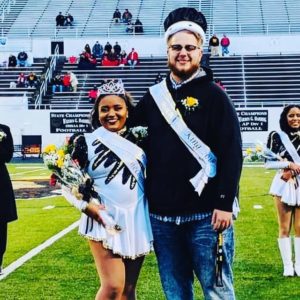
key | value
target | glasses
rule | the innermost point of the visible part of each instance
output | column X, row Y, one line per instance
column 188, row 48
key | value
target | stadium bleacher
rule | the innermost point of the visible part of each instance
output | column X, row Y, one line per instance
column 94, row 17
column 249, row 79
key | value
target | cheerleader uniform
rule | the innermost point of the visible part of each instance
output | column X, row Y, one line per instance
column 123, row 199
column 289, row 191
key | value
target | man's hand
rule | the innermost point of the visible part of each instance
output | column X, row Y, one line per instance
column 92, row 211
column 221, row 220
column 286, row 175
column 294, row 167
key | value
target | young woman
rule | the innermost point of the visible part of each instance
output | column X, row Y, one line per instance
column 285, row 186
column 117, row 165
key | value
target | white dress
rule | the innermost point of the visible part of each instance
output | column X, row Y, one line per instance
column 124, row 201
column 288, row 191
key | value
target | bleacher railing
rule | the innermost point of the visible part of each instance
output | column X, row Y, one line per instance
column 5, row 8
column 48, row 76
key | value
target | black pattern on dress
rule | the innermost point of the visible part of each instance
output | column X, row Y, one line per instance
column 275, row 144
column 109, row 158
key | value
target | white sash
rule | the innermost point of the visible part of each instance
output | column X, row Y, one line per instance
column 289, row 147
column 128, row 152
column 198, row 149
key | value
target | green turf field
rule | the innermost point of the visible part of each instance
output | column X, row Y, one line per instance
column 66, row 270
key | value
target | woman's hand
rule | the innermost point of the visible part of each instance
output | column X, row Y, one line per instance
column 92, row 211
column 286, row 175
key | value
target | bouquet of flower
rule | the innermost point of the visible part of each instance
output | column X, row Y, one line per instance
column 260, row 152
column 254, row 154
column 2, row 135
column 70, row 173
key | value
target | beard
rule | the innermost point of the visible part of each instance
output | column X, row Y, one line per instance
column 183, row 74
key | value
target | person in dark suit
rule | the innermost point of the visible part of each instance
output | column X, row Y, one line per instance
column 8, row 211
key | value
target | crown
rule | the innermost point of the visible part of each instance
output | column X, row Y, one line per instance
column 112, row 87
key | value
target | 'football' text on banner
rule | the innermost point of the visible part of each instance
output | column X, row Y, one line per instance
column 70, row 122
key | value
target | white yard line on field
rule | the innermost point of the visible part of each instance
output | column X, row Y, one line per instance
column 22, row 173
column 30, row 167
column 19, row 262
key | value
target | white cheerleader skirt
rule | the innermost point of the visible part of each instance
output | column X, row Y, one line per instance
column 134, row 240
column 289, row 191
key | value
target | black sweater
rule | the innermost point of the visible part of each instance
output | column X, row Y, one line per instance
column 170, row 165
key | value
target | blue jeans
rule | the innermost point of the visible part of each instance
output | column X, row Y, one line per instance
column 189, row 248
column 225, row 50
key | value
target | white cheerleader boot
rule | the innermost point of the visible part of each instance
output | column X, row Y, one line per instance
column 297, row 255
column 285, row 248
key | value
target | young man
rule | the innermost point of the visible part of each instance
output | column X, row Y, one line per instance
column 194, row 162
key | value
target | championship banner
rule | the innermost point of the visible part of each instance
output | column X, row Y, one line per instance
column 70, row 122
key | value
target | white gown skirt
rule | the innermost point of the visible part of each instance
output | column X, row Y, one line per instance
column 288, row 191
column 134, row 240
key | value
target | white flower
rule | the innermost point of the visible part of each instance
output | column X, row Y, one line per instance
column 139, row 132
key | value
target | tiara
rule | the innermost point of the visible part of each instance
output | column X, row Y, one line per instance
column 112, row 87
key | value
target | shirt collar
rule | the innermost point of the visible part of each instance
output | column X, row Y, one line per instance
column 176, row 85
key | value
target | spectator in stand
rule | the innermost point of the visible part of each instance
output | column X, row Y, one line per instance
column 105, row 61
column 73, row 81
column 93, row 61
column 112, row 57
column 87, row 48
column 123, row 58
column 83, row 60
column 225, row 42
column 117, row 49
column 93, row 93
column 21, row 81
column 214, row 45
column 97, row 50
column 69, row 20
column 57, row 84
column 108, row 47
column 158, row 78
column 132, row 58
column 32, row 80
column 86, row 61
column 219, row 82
column 138, row 27
column 22, row 59
column 117, row 16
column 66, row 82
column 12, row 61
column 127, row 16
column 129, row 28
column 60, row 19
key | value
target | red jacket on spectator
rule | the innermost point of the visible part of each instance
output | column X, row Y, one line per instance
column 225, row 42
column 66, row 80
column 93, row 93
column 133, row 55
